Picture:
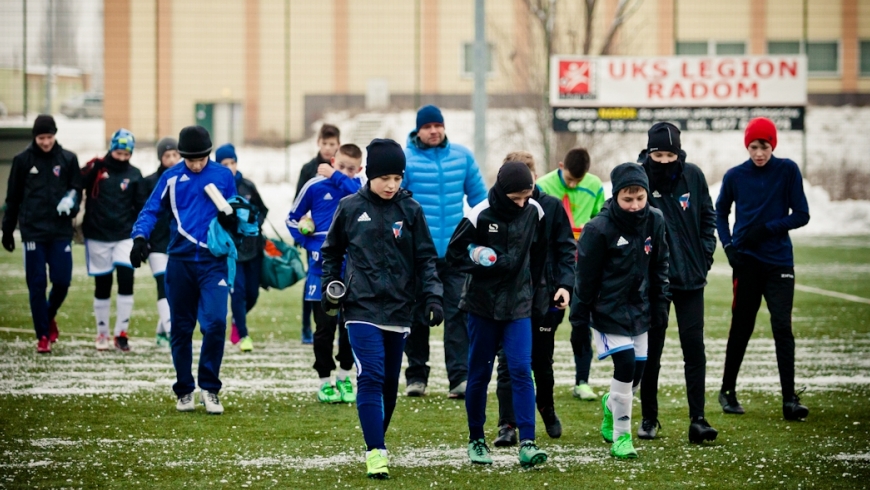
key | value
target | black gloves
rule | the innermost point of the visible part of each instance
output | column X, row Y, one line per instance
column 434, row 313
column 229, row 222
column 754, row 236
column 8, row 242
column 139, row 252
column 733, row 256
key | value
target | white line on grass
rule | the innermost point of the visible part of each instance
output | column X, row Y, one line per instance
column 832, row 294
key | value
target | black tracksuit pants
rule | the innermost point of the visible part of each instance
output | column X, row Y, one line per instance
column 324, row 339
column 543, row 336
column 752, row 281
column 689, row 308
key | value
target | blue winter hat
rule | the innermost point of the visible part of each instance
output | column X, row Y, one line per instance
column 224, row 152
column 122, row 140
column 429, row 114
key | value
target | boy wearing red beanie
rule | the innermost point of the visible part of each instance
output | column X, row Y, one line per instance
column 769, row 201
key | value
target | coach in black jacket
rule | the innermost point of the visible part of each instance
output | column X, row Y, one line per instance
column 679, row 190
column 42, row 199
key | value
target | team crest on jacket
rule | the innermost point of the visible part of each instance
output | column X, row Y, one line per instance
column 124, row 184
column 684, row 201
column 647, row 245
column 397, row 229
column 56, row 170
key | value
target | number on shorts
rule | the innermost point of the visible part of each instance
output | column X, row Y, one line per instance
column 312, row 289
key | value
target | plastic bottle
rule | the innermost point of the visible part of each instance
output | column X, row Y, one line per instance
column 484, row 256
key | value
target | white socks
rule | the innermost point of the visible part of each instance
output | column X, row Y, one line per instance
column 342, row 374
column 101, row 313
column 326, row 381
column 619, row 403
column 124, row 304
column 165, row 322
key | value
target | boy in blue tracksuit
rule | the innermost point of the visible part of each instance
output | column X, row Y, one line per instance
column 320, row 196
column 195, row 279
column 390, row 268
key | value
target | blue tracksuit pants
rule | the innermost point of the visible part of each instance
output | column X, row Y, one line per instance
column 246, row 290
column 378, row 357
column 193, row 287
column 57, row 255
column 484, row 337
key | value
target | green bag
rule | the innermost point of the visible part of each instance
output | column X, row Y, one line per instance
column 282, row 266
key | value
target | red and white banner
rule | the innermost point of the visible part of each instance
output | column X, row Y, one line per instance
column 678, row 81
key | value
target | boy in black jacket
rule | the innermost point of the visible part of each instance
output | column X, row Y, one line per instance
column 42, row 199
column 498, row 298
column 389, row 251
column 551, row 298
column 621, row 283
column 679, row 191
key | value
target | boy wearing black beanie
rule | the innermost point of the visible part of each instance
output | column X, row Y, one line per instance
column 621, row 284
column 498, row 297
column 679, row 190
column 389, row 250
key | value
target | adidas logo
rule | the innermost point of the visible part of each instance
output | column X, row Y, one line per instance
column 656, row 194
column 222, row 283
column 33, row 170
column 327, row 197
column 493, row 227
column 184, row 178
column 622, row 241
column 364, row 217
column 67, row 249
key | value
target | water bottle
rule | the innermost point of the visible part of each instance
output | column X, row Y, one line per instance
column 484, row 256
column 335, row 292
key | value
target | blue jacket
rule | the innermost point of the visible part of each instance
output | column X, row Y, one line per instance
column 763, row 195
column 439, row 178
column 320, row 196
column 182, row 192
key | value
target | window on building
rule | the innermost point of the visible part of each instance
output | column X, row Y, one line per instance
column 692, row 48
column 468, row 59
column 865, row 58
column 823, row 57
column 783, row 47
column 731, row 48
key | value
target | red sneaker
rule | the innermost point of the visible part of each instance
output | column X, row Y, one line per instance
column 52, row 331
column 121, row 342
column 234, row 334
column 43, row 346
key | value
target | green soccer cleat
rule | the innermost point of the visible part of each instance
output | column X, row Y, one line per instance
column 584, row 392
column 376, row 464
column 623, row 448
column 531, row 455
column 246, row 344
column 345, row 390
column 327, row 394
column 162, row 339
column 478, row 452
column 607, row 422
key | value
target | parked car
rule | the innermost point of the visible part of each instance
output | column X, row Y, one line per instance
column 83, row 105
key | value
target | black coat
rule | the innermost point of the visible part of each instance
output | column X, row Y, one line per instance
column 618, row 283
column 158, row 241
column 389, row 253
column 691, row 224
column 308, row 172
column 503, row 291
column 561, row 252
column 250, row 247
column 37, row 183
column 112, row 199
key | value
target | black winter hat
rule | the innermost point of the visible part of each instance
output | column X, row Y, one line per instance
column 194, row 142
column 626, row 175
column 44, row 124
column 664, row 137
column 384, row 157
column 514, row 177
column 165, row 145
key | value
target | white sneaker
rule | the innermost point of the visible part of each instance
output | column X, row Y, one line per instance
column 185, row 403
column 212, row 403
column 102, row 342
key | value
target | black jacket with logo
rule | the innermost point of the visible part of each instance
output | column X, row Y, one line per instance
column 690, row 221
column 561, row 252
column 621, row 277
column 37, row 183
column 389, row 251
column 112, row 199
column 158, row 241
column 505, row 290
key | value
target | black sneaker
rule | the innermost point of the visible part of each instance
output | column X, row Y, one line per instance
column 793, row 410
column 648, row 429
column 507, row 436
column 552, row 422
column 728, row 400
column 700, row 431
column 121, row 342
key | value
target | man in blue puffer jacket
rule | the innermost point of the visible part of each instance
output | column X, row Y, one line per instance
column 440, row 174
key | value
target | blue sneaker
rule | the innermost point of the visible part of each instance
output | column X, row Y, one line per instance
column 307, row 336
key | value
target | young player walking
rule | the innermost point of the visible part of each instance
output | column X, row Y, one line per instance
column 112, row 203
column 389, row 251
column 320, row 197
column 621, row 283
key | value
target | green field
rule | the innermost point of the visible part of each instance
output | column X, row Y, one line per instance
column 84, row 419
